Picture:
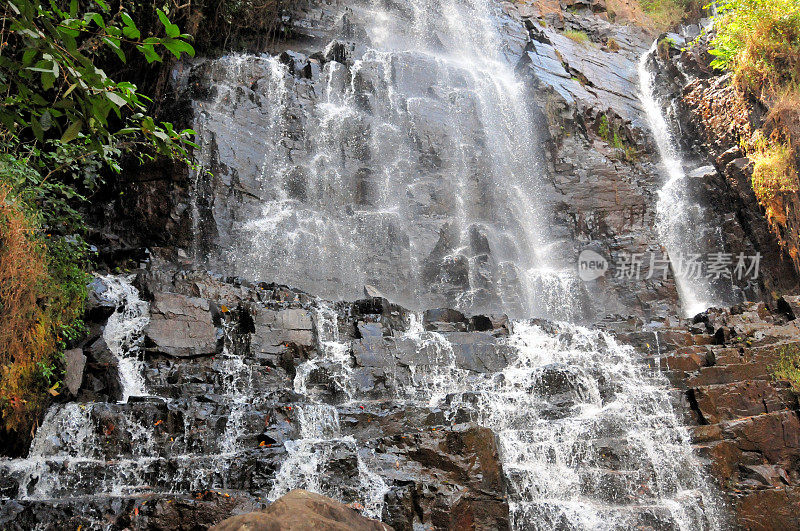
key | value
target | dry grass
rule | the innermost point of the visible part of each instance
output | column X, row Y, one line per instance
column 774, row 175
column 784, row 117
column 26, row 331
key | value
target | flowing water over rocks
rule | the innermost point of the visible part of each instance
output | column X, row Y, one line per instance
column 405, row 156
column 441, row 153
column 521, row 424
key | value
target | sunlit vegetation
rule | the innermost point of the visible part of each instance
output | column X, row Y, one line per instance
column 788, row 367
column 66, row 123
column 758, row 41
column 578, row 36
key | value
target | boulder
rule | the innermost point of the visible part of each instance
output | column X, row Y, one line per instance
column 301, row 510
column 181, row 326
column 75, row 363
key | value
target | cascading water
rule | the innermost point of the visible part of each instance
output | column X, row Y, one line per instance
column 123, row 332
column 589, row 439
column 414, row 166
column 320, row 431
column 682, row 223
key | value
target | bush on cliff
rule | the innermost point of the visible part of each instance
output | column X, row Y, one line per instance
column 759, row 41
column 64, row 126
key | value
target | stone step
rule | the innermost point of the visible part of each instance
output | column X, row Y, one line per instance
column 146, row 511
column 251, row 470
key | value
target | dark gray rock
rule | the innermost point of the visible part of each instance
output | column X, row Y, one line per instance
column 181, row 326
column 75, row 363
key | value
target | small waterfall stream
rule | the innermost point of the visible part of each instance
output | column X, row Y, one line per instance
column 682, row 222
column 123, row 332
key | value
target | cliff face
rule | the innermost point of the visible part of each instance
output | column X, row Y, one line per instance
column 715, row 119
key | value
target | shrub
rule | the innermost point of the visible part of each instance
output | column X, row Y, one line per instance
column 759, row 41
column 613, row 136
column 788, row 366
column 578, row 36
column 774, row 175
column 63, row 122
column 42, row 289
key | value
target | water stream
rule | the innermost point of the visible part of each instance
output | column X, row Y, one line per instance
column 682, row 223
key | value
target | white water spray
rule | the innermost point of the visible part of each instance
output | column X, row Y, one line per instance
column 680, row 220
column 123, row 332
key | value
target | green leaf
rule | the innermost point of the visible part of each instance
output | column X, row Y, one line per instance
column 113, row 42
column 29, row 55
column 72, row 132
column 97, row 18
column 178, row 46
column 70, row 89
column 37, row 129
column 48, row 79
column 172, row 29
column 149, row 53
column 130, row 30
column 131, row 33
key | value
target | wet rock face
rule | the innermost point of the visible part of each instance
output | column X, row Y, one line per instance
column 583, row 106
column 713, row 116
column 744, row 421
column 225, row 417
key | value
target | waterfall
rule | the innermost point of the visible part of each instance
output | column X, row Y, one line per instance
column 413, row 164
column 408, row 159
column 588, row 435
column 123, row 332
column 681, row 222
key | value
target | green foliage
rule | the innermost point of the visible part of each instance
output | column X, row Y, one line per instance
column 55, row 88
column 759, row 41
column 64, row 123
column 788, row 367
column 578, row 36
column 613, row 137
